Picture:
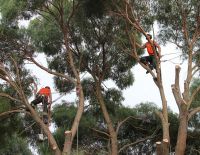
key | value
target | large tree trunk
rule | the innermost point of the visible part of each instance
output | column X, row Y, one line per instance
column 68, row 143
column 182, row 134
column 69, row 136
column 164, row 114
column 112, row 132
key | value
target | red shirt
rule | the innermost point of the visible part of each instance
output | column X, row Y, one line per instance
column 149, row 48
column 45, row 91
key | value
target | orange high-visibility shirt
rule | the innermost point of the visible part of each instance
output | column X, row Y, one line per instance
column 149, row 48
column 45, row 91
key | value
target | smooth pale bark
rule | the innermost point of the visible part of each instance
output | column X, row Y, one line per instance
column 68, row 143
column 79, row 87
column 111, row 130
column 182, row 135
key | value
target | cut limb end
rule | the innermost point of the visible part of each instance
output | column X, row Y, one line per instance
column 54, row 147
column 165, row 140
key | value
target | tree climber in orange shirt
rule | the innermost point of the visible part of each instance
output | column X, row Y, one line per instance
column 43, row 96
column 150, row 60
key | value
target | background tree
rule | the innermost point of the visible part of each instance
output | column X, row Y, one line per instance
column 103, row 60
column 11, row 126
column 91, row 40
column 193, row 125
column 138, row 128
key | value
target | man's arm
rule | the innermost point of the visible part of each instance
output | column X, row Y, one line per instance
column 140, row 46
column 159, row 49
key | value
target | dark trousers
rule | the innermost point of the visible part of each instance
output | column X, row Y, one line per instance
column 149, row 60
column 41, row 99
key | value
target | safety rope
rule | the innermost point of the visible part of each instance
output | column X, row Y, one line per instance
column 170, row 60
column 77, row 132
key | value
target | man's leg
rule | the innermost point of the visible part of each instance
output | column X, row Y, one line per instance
column 149, row 62
column 154, row 62
column 144, row 60
column 45, row 110
column 36, row 101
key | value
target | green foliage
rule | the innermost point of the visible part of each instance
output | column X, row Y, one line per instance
column 46, row 36
column 10, row 9
column 11, row 125
column 172, row 16
column 64, row 115
column 103, row 54
column 4, row 105
column 173, row 128
column 135, row 128
column 15, row 145
column 113, row 98
column 193, row 87
column 93, row 8
column 194, row 122
column 193, row 143
column 64, row 86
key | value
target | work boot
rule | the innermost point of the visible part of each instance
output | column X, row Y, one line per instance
column 151, row 67
column 32, row 105
column 45, row 119
column 155, row 79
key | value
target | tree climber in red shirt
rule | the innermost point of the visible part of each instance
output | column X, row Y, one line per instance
column 150, row 60
column 43, row 96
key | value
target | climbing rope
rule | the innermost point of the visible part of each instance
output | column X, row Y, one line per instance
column 77, row 132
column 170, row 60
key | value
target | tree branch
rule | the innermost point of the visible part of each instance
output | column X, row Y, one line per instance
column 122, row 122
column 138, row 141
column 10, row 112
column 101, row 132
column 176, row 87
column 10, row 97
column 194, row 111
column 31, row 59
column 193, row 95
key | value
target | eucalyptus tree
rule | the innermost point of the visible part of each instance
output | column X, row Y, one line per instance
column 14, row 85
column 59, row 14
column 104, row 60
column 140, row 16
column 136, row 128
column 193, row 124
column 11, row 126
column 93, row 39
column 179, row 24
